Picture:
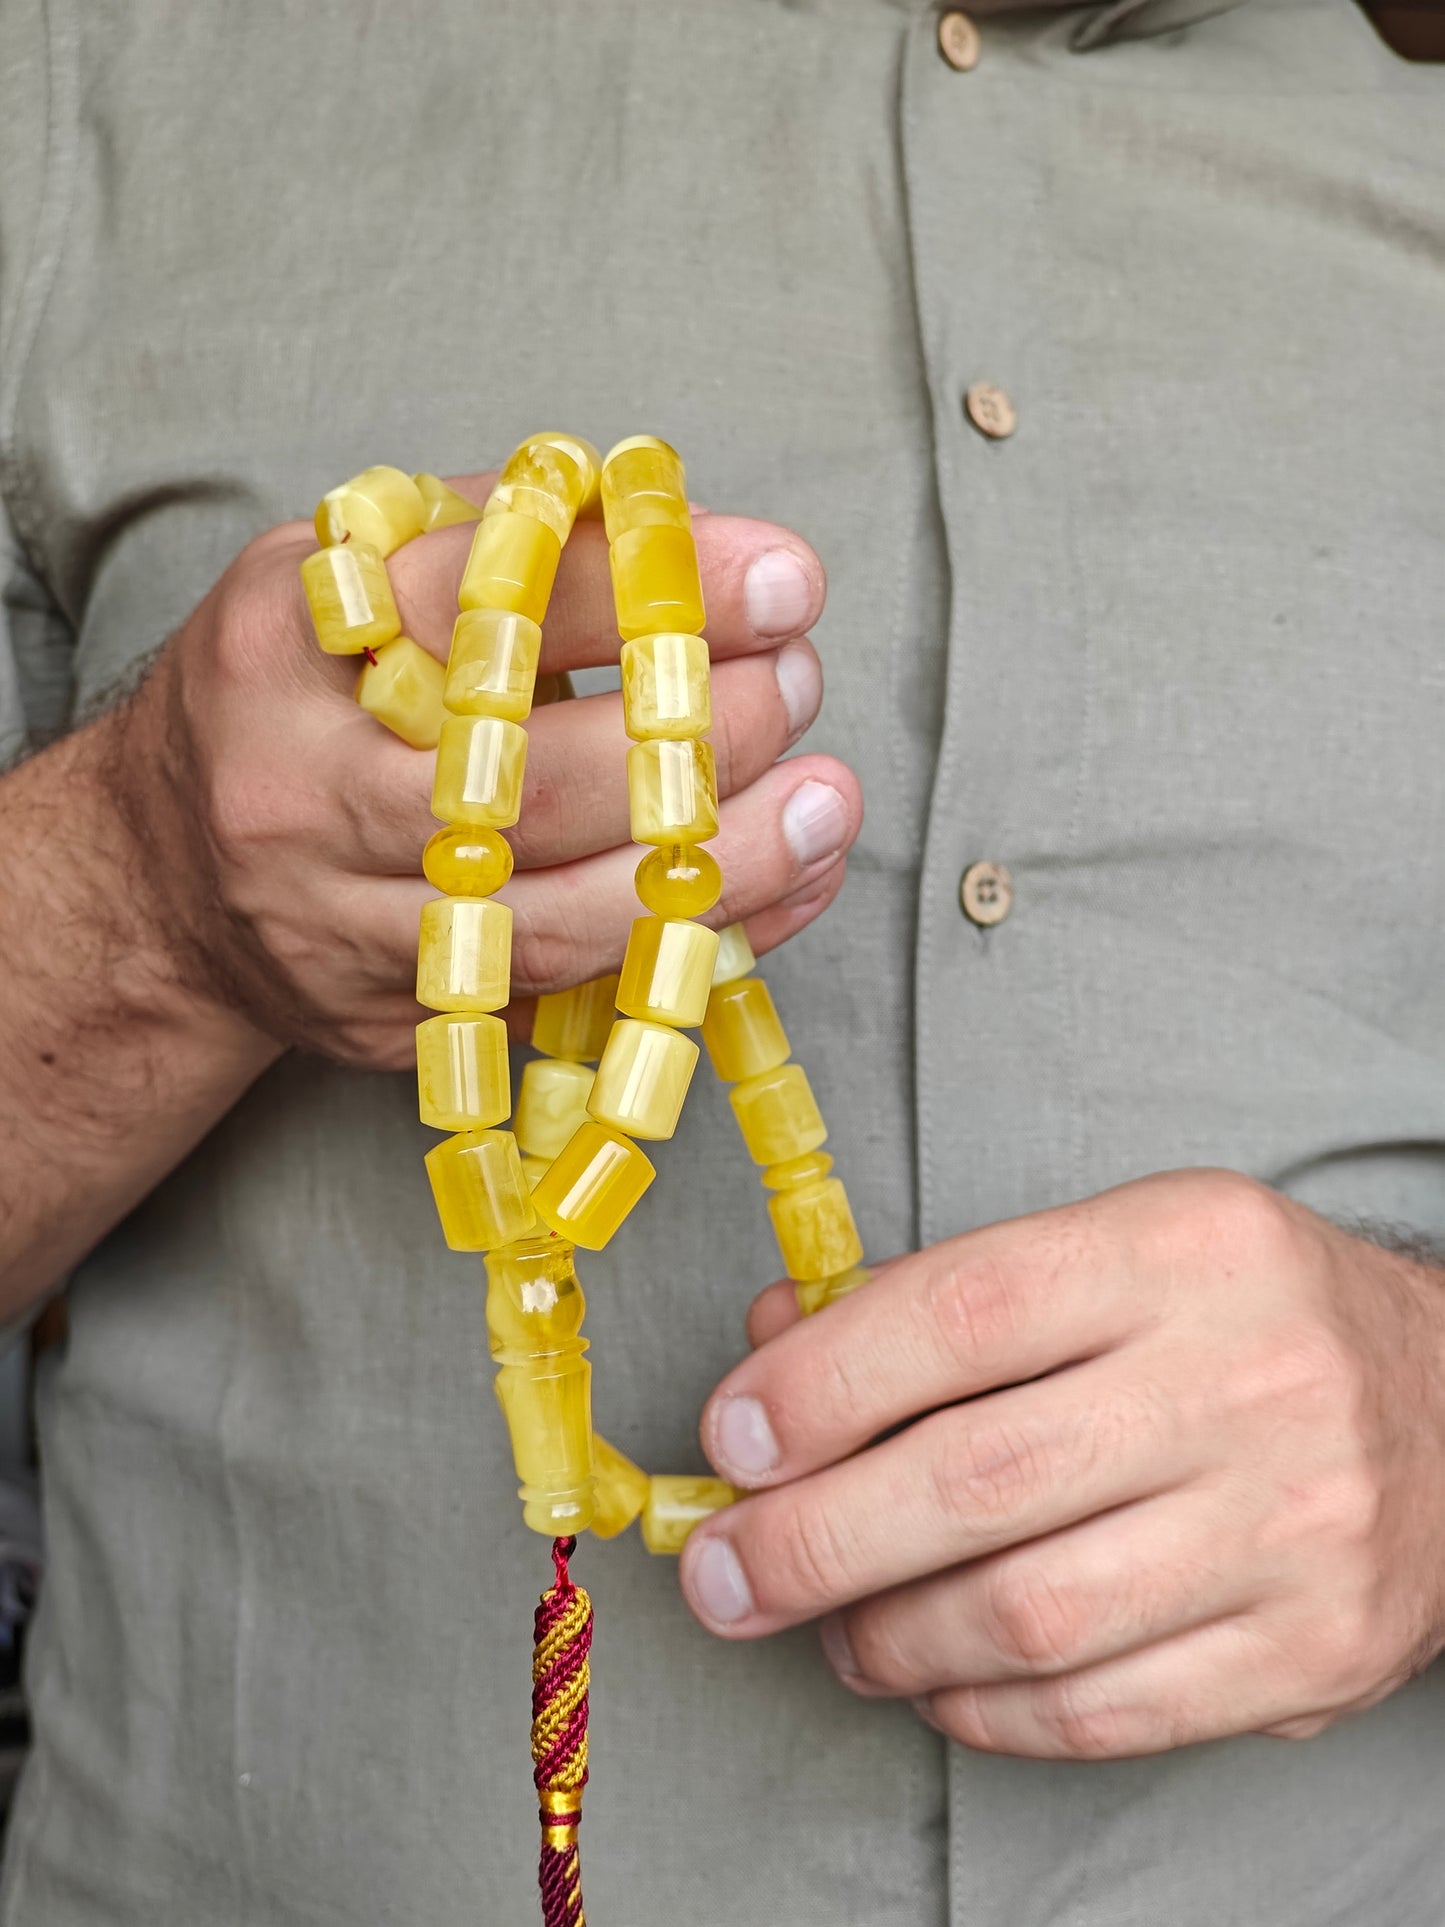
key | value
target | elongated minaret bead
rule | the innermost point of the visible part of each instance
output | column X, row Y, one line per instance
column 544, row 1383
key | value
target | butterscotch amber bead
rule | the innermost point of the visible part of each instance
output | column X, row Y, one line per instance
column 534, row 1320
column 655, row 583
column 734, row 955
column 576, row 1022
column 543, row 481
column 492, row 669
column 462, row 1075
column 403, row 689
column 481, row 1195
column 380, row 506
column 678, row 880
column 592, row 1184
column 674, row 1505
column 441, row 505
column 813, row 1296
column 551, row 1104
column 480, row 763
column 793, row 1172
column 621, row 1489
column 815, row 1229
column 643, row 1078
column 672, row 792
column 742, row 1030
column 512, row 565
column 350, row 599
column 464, row 954
column 465, row 862
column 779, row 1117
column 666, row 971
column 666, row 687
column 643, row 486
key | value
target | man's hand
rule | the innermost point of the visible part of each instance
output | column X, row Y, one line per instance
column 1174, row 1468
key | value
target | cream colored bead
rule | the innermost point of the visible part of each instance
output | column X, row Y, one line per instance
column 441, row 506
column 380, row 506
column 349, row 595
column 480, row 764
column 675, row 1505
column 621, row 1489
column 463, row 1078
column 464, row 956
column 815, row 1230
column 643, row 1078
column 667, row 971
column 403, row 689
column 666, row 687
column 734, row 955
column 551, row 1104
column 492, row 668
column 672, row 792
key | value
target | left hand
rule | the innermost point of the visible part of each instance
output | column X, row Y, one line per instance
column 1173, row 1468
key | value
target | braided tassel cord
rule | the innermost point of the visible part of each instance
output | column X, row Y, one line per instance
column 560, row 1678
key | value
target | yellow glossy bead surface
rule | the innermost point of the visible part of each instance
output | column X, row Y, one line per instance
column 675, row 1504
column 481, row 1195
column 643, row 1078
column 734, row 955
column 403, row 689
column 534, row 1321
column 463, row 1079
column 465, row 862
column 742, row 1030
column 778, row 1116
column 533, row 1169
column 349, row 595
column 643, row 486
column 667, row 971
column 592, row 1185
column 464, row 954
column 492, row 668
column 380, row 506
column 551, row 1104
column 512, row 565
column 543, row 481
column 678, row 880
column 815, row 1229
column 792, row 1172
column 480, row 763
column 441, row 506
column 666, row 687
column 576, row 1022
column 621, row 1489
column 655, row 583
column 589, row 465
column 672, row 792
column 813, row 1296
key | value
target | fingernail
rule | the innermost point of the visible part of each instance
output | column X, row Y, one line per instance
column 743, row 1444
column 838, row 1649
column 715, row 1583
column 800, row 684
column 815, row 822
column 778, row 595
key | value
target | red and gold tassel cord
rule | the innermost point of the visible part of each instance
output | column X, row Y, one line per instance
column 560, row 1678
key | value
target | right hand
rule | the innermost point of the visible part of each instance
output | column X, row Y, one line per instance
column 283, row 826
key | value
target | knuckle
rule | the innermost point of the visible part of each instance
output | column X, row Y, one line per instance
column 974, row 1307
column 1082, row 1722
column 1238, row 1219
column 986, row 1474
column 806, row 1560
column 1035, row 1624
column 881, row 1655
column 1308, row 1370
column 546, row 956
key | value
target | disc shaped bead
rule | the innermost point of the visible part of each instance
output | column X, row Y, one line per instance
column 492, row 669
column 815, row 1229
column 592, row 1184
column 349, row 595
column 779, row 1117
column 674, row 1505
column 655, row 582
column 742, row 1030
column 666, row 971
column 512, row 565
column 576, row 1022
column 643, row 1079
column 792, row 1172
column 666, row 687
column 380, row 506
column 481, row 1195
column 441, row 505
column 621, row 1489
column 465, row 862
column 812, row 1296
column 551, row 1104
column 643, row 486
column 678, row 880
column 672, row 792
column 464, row 955
column 403, row 689
column 463, row 1078
column 480, row 763
column 734, row 955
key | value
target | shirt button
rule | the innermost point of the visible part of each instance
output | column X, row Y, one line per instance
column 986, row 893
column 990, row 411
column 958, row 42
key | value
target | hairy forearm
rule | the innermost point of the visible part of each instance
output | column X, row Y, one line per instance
column 113, row 1065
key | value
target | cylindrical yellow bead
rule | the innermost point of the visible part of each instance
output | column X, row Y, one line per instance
column 812, row 1296
column 815, row 1229
column 480, row 764
column 534, row 1169
column 667, row 971
column 349, row 595
column 576, row 1022
column 403, row 689
column 643, row 486
column 467, row 863
column 512, row 565
column 534, row 1320
column 588, row 461
column 742, row 1030
column 441, row 506
column 380, row 506
column 655, row 583
column 543, row 481
column 678, row 880
column 463, row 1079
column 666, row 687
column 551, row 1104
column 592, row 1184
column 481, row 1195
column 674, row 1505
column 464, row 954
column 492, row 669
column 643, row 1078
column 672, row 791
column 621, row 1489
column 793, row 1172
column 779, row 1117
column 734, row 955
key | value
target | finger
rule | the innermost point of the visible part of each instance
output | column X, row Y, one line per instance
column 773, row 1310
